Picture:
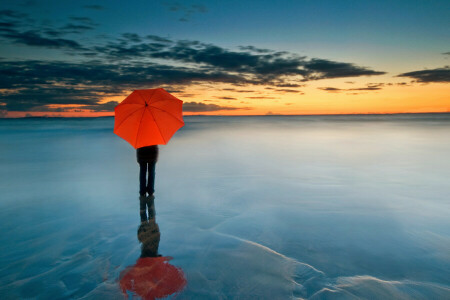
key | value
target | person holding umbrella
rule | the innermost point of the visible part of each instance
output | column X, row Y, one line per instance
column 145, row 119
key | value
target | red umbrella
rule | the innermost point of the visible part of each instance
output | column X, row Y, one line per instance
column 148, row 117
column 152, row 277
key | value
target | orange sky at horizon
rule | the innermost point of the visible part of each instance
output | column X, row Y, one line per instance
column 394, row 97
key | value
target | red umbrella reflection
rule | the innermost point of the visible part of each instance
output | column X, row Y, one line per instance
column 152, row 276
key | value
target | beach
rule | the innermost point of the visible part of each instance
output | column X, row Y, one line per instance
column 248, row 207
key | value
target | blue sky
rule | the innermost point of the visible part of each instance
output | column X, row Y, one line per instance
column 366, row 30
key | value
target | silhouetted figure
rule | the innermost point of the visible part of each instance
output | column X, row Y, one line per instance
column 150, row 203
column 151, row 277
column 148, row 233
column 147, row 157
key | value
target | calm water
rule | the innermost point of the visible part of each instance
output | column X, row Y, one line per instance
column 269, row 207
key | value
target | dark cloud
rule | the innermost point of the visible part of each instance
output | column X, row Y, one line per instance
column 32, row 85
column 288, row 85
column 226, row 98
column 109, row 67
column 322, row 68
column 6, row 25
column 202, row 107
column 287, row 91
column 369, row 87
column 186, row 95
column 186, row 11
column 132, row 37
column 446, row 53
column 34, row 38
column 259, row 67
column 7, row 13
column 254, row 49
column 261, row 97
column 158, row 39
column 103, row 107
column 17, row 29
column 432, row 75
column 76, row 28
column 41, row 98
column 330, row 89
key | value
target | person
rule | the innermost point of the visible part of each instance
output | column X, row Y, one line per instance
column 147, row 158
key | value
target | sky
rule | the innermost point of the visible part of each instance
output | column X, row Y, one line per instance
column 81, row 58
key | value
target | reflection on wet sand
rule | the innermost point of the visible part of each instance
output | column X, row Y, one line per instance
column 152, row 276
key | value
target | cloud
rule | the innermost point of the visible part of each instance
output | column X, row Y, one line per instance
column 259, row 67
column 76, row 28
column 431, row 75
column 32, row 85
column 111, row 67
column 158, row 39
column 446, row 53
column 11, row 14
column 3, row 113
column 288, row 85
column 255, row 49
column 226, row 98
column 202, row 107
column 322, row 68
column 131, row 37
column 261, row 97
column 369, row 87
column 108, row 106
column 330, row 89
column 287, row 91
column 34, row 38
column 186, row 10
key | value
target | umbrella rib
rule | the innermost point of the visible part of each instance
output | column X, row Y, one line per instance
column 127, row 118
column 166, row 112
column 139, row 130
column 158, row 127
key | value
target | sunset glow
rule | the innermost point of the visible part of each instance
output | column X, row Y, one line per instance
column 79, row 61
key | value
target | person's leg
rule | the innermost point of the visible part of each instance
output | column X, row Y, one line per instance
column 151, row 178
column 142, row 175
column 142, row 203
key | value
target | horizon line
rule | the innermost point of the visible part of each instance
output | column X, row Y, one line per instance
column 219, row 115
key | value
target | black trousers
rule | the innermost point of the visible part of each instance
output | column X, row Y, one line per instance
column 147, row 184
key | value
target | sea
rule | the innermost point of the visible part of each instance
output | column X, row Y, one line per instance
column 245, row 207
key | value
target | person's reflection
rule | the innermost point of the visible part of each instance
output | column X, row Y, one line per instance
column 152, row 276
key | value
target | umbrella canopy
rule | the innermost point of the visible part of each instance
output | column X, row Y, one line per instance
column 152, row 277
column 148, row 117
